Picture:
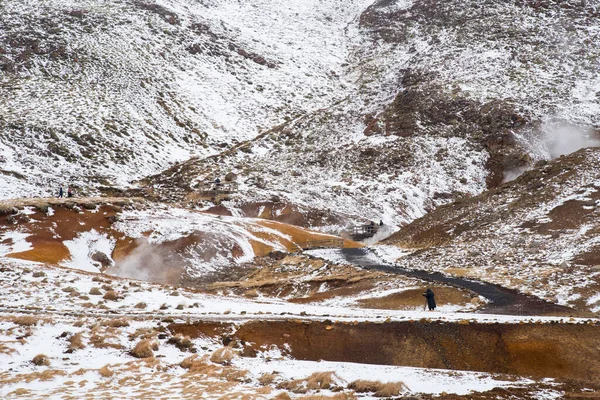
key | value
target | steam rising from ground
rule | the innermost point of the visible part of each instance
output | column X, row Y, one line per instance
column 564, row 138
column 383, row 232
column 553, row 140
column 144, row 263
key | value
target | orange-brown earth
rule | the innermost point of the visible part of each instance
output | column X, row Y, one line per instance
column 46, row 232
column 277, row 276
column 562, row 351
column 304, row 279
column 70, row 218
column 283, row 212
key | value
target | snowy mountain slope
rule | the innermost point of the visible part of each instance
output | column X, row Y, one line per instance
column 537, row 234
column 371, row 111
column 112, row 91
column 448, row 100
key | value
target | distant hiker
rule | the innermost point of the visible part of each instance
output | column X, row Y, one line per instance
column 69, row 192
column 217, row 182
column 60, row 191
column 430, row 299
column 380, row 223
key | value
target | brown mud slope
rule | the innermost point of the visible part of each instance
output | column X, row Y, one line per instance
column 303, row 279
column 282, row 212
column 68, row 219
column 564, row 351
column 49, row 222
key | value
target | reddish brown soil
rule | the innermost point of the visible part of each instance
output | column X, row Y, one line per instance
column 286, row 213
column 444, row 295
column 48, row 233
column 204, row 329
column 564, row 351
column 569, row 215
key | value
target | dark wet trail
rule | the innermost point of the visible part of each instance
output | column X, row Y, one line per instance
column 502, row 300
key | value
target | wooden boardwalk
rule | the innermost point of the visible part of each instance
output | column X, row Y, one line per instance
column 364, row 231
column 333, row 243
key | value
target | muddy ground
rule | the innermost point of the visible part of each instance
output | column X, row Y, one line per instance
column 304, row 279
column 564, row 351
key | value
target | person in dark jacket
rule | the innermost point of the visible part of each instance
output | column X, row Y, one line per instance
column 430, row 299
column 60, row 191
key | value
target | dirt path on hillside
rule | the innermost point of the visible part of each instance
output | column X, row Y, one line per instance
column 40, row 201
column 502, row 300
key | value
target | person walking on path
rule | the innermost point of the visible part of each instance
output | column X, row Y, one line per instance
column 69, row 192
column 428, row 294
column 60, row 191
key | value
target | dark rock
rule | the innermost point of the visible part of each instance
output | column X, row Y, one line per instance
column 102, row 258
column 231, row 177
column 277, row 255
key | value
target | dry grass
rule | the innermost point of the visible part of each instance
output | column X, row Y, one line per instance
column 144, row 333
column 252, row 293
column 337, row 396
column 25, row 320
column 45, row 375
column 380, row 389
column 235, row 375
column 98, row 341
column 141, row 305
column 144, row 348
column 117, row 323
column 111, row 295
column 266, row 379
column 106, row 371
column 95, row 291
column 19, row 392
column 183, row 343
column 201, row 365
column 79, row 324
column 264, row 390
column 188, row 362
column 4, row 349
column 76, row 342
column 317, row 381
column 222, row 356
column 41, row 360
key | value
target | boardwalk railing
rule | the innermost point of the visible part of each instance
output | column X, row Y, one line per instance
column 211, row 188
column 333, row 243
column 214, row 191
column 364, row 231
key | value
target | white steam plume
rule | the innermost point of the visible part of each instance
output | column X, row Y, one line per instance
column 554, row 139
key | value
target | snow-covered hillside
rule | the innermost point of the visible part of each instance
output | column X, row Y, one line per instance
column 448, row 100
column 537, row 234
column 112, row 91
column 379, row 110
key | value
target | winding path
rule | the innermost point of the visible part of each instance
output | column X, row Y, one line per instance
column 502, row 300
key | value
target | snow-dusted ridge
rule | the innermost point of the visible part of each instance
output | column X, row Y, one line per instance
column 123, row 89
column 537, row 234
column 112, row 92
